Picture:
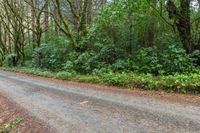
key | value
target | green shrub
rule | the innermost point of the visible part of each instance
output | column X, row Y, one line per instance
column 28, row 50
column 170, row 60
column 81, row 63
column 65, row 75
column 11, row 60
column 117, row 79
column 120, row 64
column 68, row 66
column 89, row 79
column 51, row 56
column 102, row 71
column 147, row 60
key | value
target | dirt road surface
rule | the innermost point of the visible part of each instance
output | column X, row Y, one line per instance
column 71, row 108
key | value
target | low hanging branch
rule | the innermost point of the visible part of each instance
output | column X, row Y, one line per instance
column 160, row 14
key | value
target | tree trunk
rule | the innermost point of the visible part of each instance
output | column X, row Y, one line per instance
column 184, row 26
column 181, row 17
column 46, row 23
column 90, row 12
column 33, row 16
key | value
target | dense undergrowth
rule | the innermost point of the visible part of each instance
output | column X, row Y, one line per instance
column 127, row 45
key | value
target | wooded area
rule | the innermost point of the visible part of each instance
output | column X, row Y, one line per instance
column 157, row 37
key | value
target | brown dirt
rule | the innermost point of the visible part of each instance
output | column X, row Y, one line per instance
column 161, row 95
column 9, row 111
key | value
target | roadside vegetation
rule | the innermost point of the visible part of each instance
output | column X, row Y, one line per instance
column 149, row 44
column 182, row 83
column 9, row 126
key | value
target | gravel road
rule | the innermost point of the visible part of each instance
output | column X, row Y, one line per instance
column 75, row 109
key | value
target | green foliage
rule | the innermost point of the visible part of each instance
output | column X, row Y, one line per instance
column 68, row 66
column 182, row 83
column 175, row 60
column 10, row 125
column 28, row 50
column 65, row 75
column 11, row 60
column 81, row 63
column 117, row 79
column 118, row 40
column 52, row 55
column 125, row 38
column 147, row 60
column 112, row 27
column 120, row 65
column 107, row 57
column 170, row 60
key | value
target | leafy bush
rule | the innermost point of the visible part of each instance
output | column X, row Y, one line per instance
column 175, row 60
column 117, row 79
column 11, row 60
column 106, row 57
column 120, row 64
column 102, row 71
column 68, row 66
column 168, row 61
column 52, row 55
column 65, row 75
column 147, row 60
column 81, row 63
column 28, row 50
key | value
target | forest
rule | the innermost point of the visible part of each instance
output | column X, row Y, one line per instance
column 148, row 44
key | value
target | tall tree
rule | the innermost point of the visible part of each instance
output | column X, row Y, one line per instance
column 181, row 17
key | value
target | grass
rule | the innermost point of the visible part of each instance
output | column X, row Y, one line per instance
column 10, row 125
column 182, row 83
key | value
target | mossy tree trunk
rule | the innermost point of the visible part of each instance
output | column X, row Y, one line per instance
column 182, row 21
